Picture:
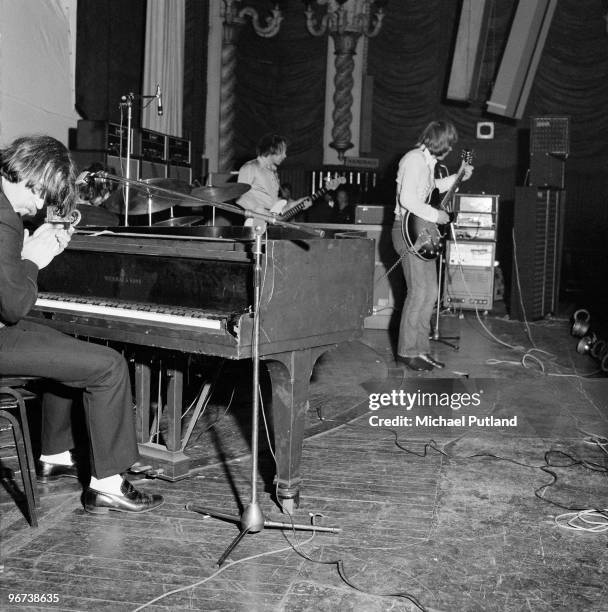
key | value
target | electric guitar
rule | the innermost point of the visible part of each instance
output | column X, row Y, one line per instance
column 424, row 238
column 297, row 206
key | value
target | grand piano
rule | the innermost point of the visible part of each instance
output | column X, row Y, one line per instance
column 190, row 289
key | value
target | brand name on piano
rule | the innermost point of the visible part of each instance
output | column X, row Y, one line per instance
column 123, row 279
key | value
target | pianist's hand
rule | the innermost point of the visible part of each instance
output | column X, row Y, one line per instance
column 44, row 244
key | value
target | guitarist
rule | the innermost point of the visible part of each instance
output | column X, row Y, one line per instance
column 261, row 173
column 415, row 184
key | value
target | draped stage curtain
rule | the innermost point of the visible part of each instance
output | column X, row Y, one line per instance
column 164, row 64
column 281, row 88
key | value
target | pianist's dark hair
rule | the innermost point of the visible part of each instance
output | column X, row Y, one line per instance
column 438, row 137
column 271, row 144
column 44, row 162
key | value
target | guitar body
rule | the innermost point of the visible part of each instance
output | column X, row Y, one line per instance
column 426, row 239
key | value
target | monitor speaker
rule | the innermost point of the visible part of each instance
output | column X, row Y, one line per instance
column 521, row 56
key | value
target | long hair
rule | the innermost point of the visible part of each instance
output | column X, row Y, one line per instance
column 438, row 137
column 271, row 144
column 44, row 163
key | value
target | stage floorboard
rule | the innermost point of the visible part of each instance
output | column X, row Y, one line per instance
column 453, row 514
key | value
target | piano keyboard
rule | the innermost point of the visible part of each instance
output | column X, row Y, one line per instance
column 133, row 312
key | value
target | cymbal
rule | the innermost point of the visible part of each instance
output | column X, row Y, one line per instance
column 187, row 221
column 219, row 193
column 143, row 201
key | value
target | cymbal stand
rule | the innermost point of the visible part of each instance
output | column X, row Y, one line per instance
column 252, row 519
column 436, row 337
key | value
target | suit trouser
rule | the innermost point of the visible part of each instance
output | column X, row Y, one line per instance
column 421, row 280
column 30, row 349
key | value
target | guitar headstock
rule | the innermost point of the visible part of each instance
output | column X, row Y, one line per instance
column 467, row 156
column 331, row 184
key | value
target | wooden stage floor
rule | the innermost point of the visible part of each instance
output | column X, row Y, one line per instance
column 458, row 529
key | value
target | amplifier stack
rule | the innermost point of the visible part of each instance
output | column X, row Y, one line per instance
column 469, row 272
column 153, row 154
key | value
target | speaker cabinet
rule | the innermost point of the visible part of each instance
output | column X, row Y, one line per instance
column 113, row 164
column 521, row 56
column 150, row 170
column 183, row 173
column 538, row 227
column 549, row 148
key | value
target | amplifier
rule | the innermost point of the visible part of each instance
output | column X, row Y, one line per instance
column 468, row 288
column 369, row 214
column 476, row 216
column 470, row 253
column 152, row 146
column 102, row 136
column 469, row 275
column 178, row 151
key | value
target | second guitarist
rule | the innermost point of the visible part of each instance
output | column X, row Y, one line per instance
column 415, row 183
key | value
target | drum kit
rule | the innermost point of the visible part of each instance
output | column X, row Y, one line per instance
column 158, row 195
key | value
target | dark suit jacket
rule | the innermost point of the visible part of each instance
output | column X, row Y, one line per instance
column 18, row 277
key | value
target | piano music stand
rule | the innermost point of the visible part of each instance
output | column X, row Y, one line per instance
column 252, row 519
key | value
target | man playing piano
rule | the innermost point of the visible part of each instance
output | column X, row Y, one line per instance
column 35, row 171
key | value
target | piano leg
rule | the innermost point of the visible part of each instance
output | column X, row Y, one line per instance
column 290, row 374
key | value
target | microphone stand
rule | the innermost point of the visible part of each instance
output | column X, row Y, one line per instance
column 435, row 336
column 127, row 101
column 252, row 518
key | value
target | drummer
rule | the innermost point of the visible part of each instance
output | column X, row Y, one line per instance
column 97, row 191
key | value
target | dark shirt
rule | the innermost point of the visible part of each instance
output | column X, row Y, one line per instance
column 18, row 277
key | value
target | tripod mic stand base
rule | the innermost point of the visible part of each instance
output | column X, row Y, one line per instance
column 252, row 521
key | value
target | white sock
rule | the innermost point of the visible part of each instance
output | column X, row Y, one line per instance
column 64, row 458
column 110, row 484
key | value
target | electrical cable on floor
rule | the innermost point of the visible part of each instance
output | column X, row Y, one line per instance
column 219, row 571
column 338, row 563
column 576, row 519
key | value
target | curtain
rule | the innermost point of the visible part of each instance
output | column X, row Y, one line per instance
column 164, row 65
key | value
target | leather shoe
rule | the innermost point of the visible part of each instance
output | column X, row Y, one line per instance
column 130, row 500
column 415, row 363
column 433, row 361
column 48, row 472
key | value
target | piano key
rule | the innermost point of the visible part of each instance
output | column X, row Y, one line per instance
column 128, row 311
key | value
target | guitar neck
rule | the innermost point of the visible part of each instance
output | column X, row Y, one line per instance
column 303, row 205
column 444, row 204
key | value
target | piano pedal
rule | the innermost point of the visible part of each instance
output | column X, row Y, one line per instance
column 139, row 468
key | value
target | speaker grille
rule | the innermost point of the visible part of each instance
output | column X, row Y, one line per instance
column 550, row 134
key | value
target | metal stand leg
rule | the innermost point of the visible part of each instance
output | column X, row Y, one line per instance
column 436, row 337
column 252, row 519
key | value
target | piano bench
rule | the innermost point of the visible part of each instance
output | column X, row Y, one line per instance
column 12, row 400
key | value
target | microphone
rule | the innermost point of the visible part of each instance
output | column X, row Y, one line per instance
column 159, row 97
column 84, row 178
